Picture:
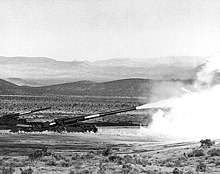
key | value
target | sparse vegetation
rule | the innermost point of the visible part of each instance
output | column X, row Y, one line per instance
column 37, row 154
column 27, row 171
column 214, row 152
column 207, row 143
column 7, row 170
column 109, row 161
column 51, row 163
column 75, row 105
column 107, row 151
column 174, row 162
column 196, row 153
column 106, row 158
column 115, row 159
column 201, row 167
column 177, row 171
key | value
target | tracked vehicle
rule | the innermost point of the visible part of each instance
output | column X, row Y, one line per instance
column 15, row 123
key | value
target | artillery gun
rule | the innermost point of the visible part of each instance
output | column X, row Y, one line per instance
column 9, row 121
column 75, row 124
column 70, row 124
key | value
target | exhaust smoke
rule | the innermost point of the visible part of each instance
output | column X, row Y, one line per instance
column 196, row 114
column 166, row 103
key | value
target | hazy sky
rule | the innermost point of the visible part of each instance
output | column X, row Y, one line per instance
column 103, row 29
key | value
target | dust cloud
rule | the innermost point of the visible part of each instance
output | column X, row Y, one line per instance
column 194, row 114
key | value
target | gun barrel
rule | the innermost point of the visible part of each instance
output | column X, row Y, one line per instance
column 36, row 110
column 87, row 117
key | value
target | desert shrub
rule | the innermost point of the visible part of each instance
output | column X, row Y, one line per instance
column 196, row 153
column 37, row 154
column 188, row 171
column 79, row 165
column 126, row 168
column 128, row 159
column 90, row 155
column 27, row 171
column 107, row 151
column 152, row 172
column 20, row 162
column 183, row 171
column 168, row 163
column 64, row 163
column 5, row 158
column 102, row 168
column 58, row 156
column 85, row 171
column 75, row 157
column 140, row 161
column 135, row 171
column 46, row 159
column 177, row 171
column 178, row 163
column 207, row 143
column 7, row 163
column 16, row 159
column 51, row 163
column 214, row 152
column 173, row 162
column 115, row 159
column 201, row 167
column 7, row 170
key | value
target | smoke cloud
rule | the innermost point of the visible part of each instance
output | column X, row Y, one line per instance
column 196, row 113
column 167, row 89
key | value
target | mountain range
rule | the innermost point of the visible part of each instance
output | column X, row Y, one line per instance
column 41, row 71
column 120, row 88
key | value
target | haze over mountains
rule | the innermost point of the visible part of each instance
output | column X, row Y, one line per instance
column 119, row 88
column 39, row 71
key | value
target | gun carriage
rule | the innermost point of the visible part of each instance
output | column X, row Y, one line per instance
column 15, row 123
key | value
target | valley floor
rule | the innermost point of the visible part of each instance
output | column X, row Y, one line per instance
column 111, row 150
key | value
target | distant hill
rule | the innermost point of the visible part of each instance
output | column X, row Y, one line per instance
column 6, row 84
column 126, row 87
column 22, row 82
column 47, row 71
column 7, row 88
column 180, row 61
column 120, row 88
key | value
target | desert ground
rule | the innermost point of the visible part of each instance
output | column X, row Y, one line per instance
column 110, row 150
